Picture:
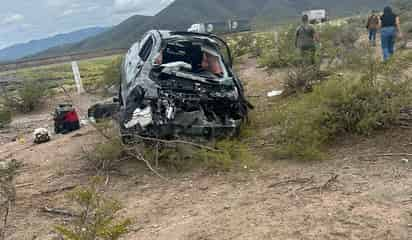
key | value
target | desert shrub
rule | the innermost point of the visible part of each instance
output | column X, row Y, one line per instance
column 407, row 27
column 230, row 154
column 112, row 73
column 338, row 46
column 301, row 78
column 241, row 44
column 96, row 216
column 342, row 105
column 280, row 53
column 407, row 30
column 8, row 172
column 402, row 6
column 31, row 95
column 105, row 155
column 5, row 116
column 27, row 98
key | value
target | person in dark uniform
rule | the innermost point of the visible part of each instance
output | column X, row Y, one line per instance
column 306, row 39
column 390, row 30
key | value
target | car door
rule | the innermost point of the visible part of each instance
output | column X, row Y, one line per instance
column 134, row 62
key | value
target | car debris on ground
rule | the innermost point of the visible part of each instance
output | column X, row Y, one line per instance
column 274, row 93
column 41, row 135
column 66, row 119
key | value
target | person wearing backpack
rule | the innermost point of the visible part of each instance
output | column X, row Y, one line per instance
column 373, row 26
column 306, row 40
column 390, row 30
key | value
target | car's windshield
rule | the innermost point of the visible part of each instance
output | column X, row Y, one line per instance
column 202, row 59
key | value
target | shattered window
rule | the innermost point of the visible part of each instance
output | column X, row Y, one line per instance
column 146, row 49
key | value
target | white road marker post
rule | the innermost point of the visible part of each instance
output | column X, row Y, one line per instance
column 77, row 78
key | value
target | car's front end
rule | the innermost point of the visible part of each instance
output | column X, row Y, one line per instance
column 185, row 88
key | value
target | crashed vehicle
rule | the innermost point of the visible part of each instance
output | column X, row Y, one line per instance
column 178, row 84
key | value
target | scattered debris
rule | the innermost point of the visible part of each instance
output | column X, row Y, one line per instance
column 102, row 111
column 66, row 119
column 326, row 186
column 275, row 93
column 60, row 189
column 203, row 188
column 56, row 211
column 41, row 135
column 292, row 181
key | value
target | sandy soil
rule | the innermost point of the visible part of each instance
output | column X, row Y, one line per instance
column 356, row 194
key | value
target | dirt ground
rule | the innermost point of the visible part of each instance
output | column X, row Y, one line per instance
column 356, row 194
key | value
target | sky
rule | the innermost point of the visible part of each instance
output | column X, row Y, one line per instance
column 25, row 20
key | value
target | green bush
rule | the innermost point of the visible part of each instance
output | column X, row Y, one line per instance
column 241, row 44
column 300, row 79
column 105, row 155
column 8, row 172
column 28, row 97
column 112, row 73
column 280, row 53
column 31, row 95
column 338, row 46
column 231, row 154
column 96, row 216
column 348, row 105
column 5, row 116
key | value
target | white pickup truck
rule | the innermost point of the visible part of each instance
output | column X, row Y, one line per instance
column 221, row 27
column 316, row 15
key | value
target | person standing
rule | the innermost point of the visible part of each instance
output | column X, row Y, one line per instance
column 306, row 39
column 390, row 30
column 373, row 26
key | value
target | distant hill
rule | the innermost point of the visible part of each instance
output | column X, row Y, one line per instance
column 30, row 48
column 182, row 13
column 119, row 36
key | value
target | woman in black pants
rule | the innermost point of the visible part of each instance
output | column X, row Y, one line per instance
column 390, row 29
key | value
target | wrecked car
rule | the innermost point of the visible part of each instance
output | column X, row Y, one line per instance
column 178, row 84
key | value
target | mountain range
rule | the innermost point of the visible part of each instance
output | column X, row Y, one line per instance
column 21, row 50
column 182, row 13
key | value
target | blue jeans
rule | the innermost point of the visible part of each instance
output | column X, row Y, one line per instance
column 388, row 36
column 372, row 35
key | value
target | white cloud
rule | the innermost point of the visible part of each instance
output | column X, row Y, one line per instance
column 59, row 3
column 13, row 18
column 79, row 9
column 141, row 6
column 68, row 12
column 92, row 8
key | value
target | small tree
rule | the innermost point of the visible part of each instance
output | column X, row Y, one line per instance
column 5, row 116
column 96, row 217
column 27, row 97
column 112, row 73
column 7, row 192
column 31, row 94
column 281, row 53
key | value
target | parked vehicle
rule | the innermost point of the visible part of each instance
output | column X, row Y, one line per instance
column 180, row 84
column 231, row 26
column 316, row 15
